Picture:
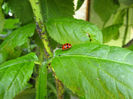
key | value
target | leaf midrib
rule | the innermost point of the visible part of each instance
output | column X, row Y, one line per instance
column 14, row 78
column 98, row 58
column 9, row 65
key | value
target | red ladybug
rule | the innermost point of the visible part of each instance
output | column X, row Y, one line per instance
column 66, row 46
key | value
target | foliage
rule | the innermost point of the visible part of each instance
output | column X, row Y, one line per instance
column 78, row 31
column 1, row 17
column 126, row 2
column 56, row 8
column 112, row 30
column 9, row 44
column 95, row 71
column 112, row 13
column 107, row 10
column 11, row 23
column 79, row 4
column 32, row 64
column 42, row 82
column 22, row 10
column 14, row 75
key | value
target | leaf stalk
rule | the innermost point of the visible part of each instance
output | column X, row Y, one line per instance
column 126, row 28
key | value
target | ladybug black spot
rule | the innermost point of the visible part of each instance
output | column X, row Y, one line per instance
column 67, row 46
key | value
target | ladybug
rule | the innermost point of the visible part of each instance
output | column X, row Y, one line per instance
column 66, row 46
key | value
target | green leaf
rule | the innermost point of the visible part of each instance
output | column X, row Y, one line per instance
column 14, row 75
column 41, row 85
column 1, row 1
column 105, row 8
column 110, row 32
column 96, row 71
column 3, row 56
column 11, row 23
column 16, row 38
column 38, row 41
column 130, row 47
column 26, row 94
column 79, row 3
column 5, row 8
column 119, row 17
column 1, row 17
column 22, row 10
column 57, row 8
column 131, row 17
column 126, row 2
column 53, row 44
column 68, row 30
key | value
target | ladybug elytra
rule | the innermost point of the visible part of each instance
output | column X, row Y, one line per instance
column 66, row 46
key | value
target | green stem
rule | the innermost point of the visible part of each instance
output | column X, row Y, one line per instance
column 52, row 88
column 59, row 86
column 42, row 32
column 36, row 10
column 60, row 89
column 126, row 28
column 40, row 26
column 2, row 19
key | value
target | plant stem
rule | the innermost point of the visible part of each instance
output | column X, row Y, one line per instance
column 43, row 35
column 130, row 43
column 2, row 20
column 60, row 88
column 126, row 28
column 40, row 26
